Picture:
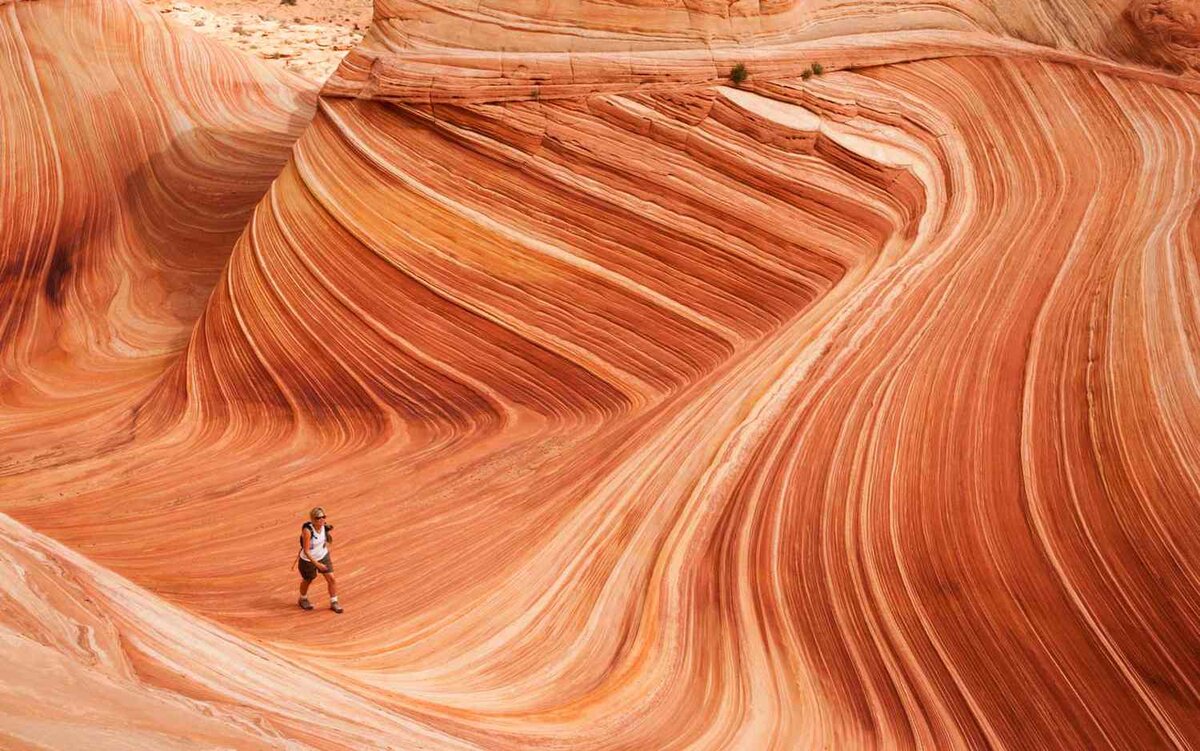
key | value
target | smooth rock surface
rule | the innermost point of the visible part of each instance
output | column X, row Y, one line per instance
column 849, row 411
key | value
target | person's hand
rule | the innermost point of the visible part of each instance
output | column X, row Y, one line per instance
column 321, row 567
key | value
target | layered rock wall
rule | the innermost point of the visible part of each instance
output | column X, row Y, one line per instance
column 852, row 410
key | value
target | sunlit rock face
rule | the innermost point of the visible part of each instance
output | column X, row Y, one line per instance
column 851, row 410
column 1095, row 26
column 132, row 155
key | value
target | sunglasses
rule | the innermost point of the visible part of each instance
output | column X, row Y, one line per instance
column 319, row 518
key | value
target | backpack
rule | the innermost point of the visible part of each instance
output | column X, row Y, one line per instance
column 312, row 531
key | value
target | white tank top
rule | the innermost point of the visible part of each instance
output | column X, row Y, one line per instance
column 319, row 549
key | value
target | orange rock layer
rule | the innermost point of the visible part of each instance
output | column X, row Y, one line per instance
column 847, row 411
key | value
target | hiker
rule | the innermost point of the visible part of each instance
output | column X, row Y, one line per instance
column 316, row 544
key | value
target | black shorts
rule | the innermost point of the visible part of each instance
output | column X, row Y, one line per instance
column 309, row 571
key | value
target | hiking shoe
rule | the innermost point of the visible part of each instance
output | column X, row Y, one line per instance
column 335, row 607
column 305, row 604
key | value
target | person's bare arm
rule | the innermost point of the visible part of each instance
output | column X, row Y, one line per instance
column 308, row 550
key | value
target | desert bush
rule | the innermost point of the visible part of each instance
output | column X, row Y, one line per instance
column 739, row 73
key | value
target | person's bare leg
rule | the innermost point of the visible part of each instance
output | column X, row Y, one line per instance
column 333, row 598
column 304, row 603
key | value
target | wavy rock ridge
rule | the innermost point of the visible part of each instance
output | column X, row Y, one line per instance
column 852, row 411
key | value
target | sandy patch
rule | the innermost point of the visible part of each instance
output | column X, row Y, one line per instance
column 309, row 38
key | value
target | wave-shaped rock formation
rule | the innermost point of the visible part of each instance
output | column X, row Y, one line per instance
column 853, row 410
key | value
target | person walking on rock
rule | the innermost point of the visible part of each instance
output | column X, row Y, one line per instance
column 316, row 547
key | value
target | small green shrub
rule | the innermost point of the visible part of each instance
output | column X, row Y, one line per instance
column 818, row 69
column 739, row 73
column 806, row 74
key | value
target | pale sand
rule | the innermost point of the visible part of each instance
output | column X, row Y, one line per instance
column 309, row 38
